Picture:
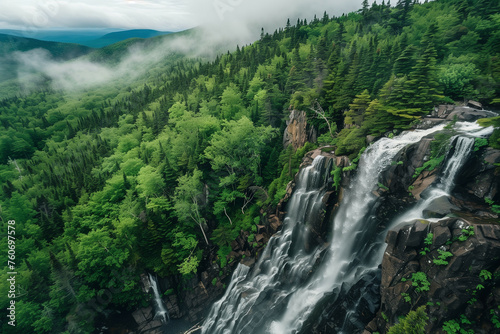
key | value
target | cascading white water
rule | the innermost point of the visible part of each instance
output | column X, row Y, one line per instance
column 161, row 311
column 356, row 247
column 282, row 266
column 446, row 182
column 442, row 188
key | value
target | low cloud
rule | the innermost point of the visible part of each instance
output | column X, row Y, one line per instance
column 36, row 65
column 32, row 15
column 242, row 19
column 224, row 23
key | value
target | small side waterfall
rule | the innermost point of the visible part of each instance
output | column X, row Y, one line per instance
column 443, row 187
column 461, row 148
column 160, row 309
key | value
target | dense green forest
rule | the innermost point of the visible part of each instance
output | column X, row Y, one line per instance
column 161, row 174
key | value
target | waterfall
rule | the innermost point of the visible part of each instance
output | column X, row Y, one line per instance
column 461, row 147
column 161, row 311
column 446, row 182
column 355, row 246
column 252, row 298
column 278, row 295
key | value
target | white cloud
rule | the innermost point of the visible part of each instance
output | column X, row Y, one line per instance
column 225, row 24
column 240, row 21
column 165, row 15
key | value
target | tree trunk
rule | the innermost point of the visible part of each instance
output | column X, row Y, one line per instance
column 203, row 231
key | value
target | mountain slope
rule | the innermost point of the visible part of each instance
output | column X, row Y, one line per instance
column 119, row 36
column 113, row 53
column 10, row 44
column 63, row 51
column 62, row 36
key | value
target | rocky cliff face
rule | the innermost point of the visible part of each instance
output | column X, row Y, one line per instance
column 452, row 266
column 298, row 132
column 331, row 199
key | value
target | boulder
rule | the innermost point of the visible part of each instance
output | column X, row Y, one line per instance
column 467, row 114
column 235, row 246
column 248, row 261
column 474, row 104
column 470, row 112
column 439, row 208
column 443, row 110
column 423, row 181
column 429, row 122
column 274, row 222
column 370, row 139
column 441, row 235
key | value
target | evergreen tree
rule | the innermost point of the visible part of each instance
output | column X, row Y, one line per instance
column 404, row 63
column 422, row 90
column 355, row 115
column 295, row 78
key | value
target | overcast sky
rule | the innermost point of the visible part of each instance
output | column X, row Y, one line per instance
column 163, row 15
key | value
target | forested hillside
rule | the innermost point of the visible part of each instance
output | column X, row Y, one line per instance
column 161, row 174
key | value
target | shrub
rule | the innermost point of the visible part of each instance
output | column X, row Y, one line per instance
column 413, row 323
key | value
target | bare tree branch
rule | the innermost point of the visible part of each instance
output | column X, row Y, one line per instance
column 230, row 221
column 321, row 113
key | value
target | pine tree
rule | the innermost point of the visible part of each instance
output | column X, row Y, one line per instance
column 338, row 38
column 308, row 69
column 355, row 115
column 367, row 76
column 377, row 119
column 364, row 8
column 382, row 66
column 404, row 63
column 422, row 88
column 346, row 91
column 463, row 9
column 295, row 78
column 271, row 169
column 325, row 18
column 322, row 49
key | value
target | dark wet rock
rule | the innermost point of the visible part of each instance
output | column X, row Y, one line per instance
column 479, row 176
column 173, row 308
column 144, row 317
column 451, row 284
column 349, row 310
column 429, row 122
column 441, row 235
column 474, row 104
column 439, row 208
column 467, row 114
